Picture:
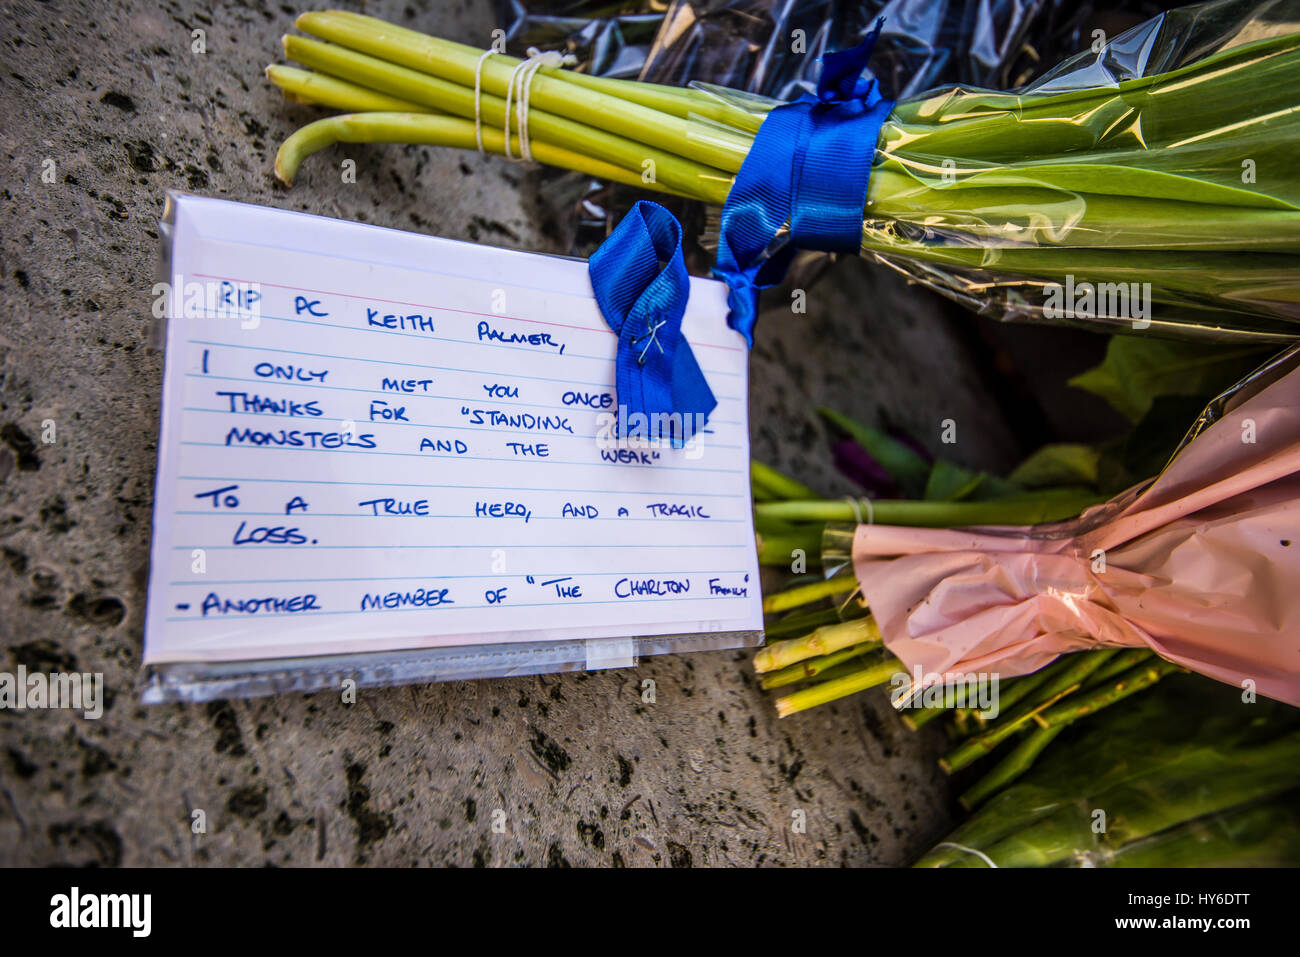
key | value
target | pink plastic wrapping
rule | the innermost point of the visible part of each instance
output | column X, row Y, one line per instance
column 1202, row 565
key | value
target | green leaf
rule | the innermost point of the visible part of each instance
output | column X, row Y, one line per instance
column 1146, row 449
column 954, row 483
column 904, row 466
column 1139, row 368
column 951, row 483
column 1062, row 463
column 1102, row 179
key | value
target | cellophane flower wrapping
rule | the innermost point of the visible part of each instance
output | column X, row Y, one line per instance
column 772, row 48
column 1147, row 186
column 1202, row 564
column 1183, row 777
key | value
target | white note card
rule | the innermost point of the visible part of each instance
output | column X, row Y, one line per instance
column 374, row 440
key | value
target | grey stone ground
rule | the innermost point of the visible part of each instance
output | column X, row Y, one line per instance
column 587, row 774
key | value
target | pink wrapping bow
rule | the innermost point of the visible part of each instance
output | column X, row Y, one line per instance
column 1203, row 566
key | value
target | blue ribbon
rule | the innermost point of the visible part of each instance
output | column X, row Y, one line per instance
column 641, row 286
column 809, row 167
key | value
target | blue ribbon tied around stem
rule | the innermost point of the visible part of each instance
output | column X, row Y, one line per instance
column 641, row 285
column 809, row 167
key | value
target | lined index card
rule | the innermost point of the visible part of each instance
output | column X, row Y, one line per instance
column 374, row 440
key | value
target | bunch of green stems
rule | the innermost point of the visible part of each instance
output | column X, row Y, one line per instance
column 823, row 638
column 1185, row 776
column 408, row 87
column 1140, row 182
column 784, row 527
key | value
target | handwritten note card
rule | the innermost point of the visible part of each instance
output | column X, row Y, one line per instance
column 374, row 440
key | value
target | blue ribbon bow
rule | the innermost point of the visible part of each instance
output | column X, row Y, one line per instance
column 641, row 286
column 809, row 167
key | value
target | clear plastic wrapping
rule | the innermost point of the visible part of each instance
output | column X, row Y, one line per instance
column 209, row 681
column 1154, row 177
column 611, row 39
column 771, row 48
column 1182, row 775
column 1148, row 186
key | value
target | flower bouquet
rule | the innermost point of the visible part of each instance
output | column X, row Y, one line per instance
column 1018, row 630
column 1151, row 185
column 1198, row 565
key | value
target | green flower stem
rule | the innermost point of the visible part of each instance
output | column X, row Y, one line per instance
column 914, row 719
column 1205, row 783
column 1121, row 663
column 1023, row 686
column 419, row 128
column 1066, row 681
column 1249, row 835
column 1010, row 691
column 773, row 526
column 1136, row 679
column 779, row 485
column 1074, row 671
column 1011, row 767
column 960, row 723
column 813, row 667
column 796, row 625
column 917, row 718
column 824, row 641
column 779, row 549
column 1017, row 510
column 851, row 667
column 1053, row 721
column 672, row 173
column 682, row 102
column 456, row 62
column 321, row 90
column 801, row 595
column 827, row 691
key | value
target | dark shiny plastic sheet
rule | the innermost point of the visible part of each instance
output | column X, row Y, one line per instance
column 609, row 39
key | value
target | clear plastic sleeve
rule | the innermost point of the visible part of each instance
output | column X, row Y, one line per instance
column 1148, row 186
column 206, row 681
column 197, row 681
column 771, row 48
column 1185, row 776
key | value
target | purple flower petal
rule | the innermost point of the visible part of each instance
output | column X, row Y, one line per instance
column 858, row 465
